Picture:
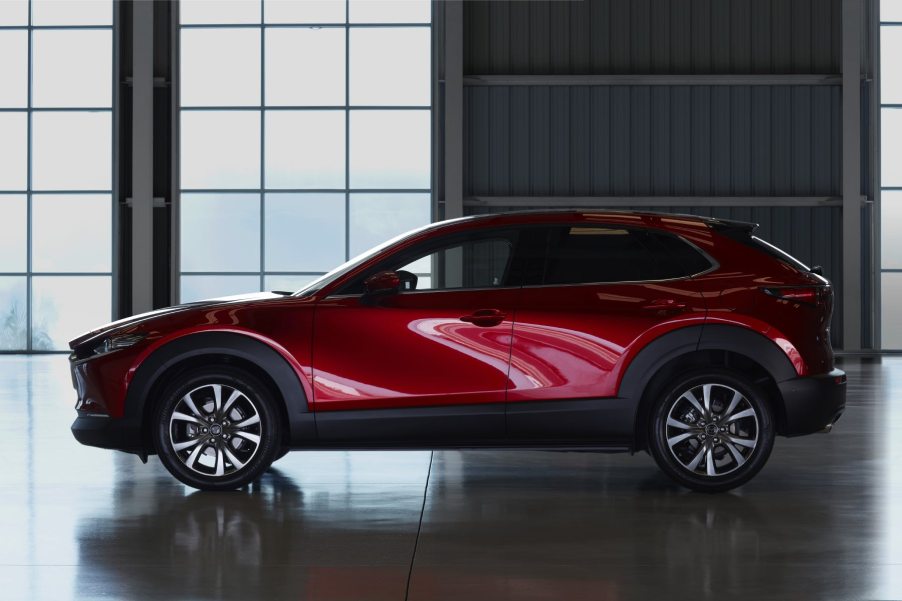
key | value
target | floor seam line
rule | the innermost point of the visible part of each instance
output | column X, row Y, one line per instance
column 416, row 541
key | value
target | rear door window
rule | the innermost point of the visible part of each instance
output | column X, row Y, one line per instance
column 584, row 254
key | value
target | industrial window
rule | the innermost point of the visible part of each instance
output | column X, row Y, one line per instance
column 891, row 174
column 305, row 134
column 56, row 201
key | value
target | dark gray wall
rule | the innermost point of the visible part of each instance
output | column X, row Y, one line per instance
column 652, row 36
column 662, row 140
column 653, row 140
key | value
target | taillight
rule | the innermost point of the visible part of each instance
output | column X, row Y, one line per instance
column 812, row 295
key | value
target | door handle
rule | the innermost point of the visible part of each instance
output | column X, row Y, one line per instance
column 484, row 317
column 665, row 305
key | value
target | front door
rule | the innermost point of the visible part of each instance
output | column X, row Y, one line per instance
column 431, row 359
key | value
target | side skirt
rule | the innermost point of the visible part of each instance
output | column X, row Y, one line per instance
column 564, row 446
column 569, row 424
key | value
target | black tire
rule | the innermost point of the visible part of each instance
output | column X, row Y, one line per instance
column 726, row 429
column 226, row 455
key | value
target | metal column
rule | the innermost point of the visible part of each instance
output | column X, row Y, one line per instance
column 142, row 157
column 851, row 172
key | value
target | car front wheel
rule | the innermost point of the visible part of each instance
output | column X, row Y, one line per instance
column 711, row 431
column 216, row 428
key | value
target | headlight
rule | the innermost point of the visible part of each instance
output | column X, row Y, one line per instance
column 114, row 343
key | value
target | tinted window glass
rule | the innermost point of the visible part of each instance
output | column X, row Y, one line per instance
column 479, row 260
column 589, row 254
column 678, row 256
column 474, row 264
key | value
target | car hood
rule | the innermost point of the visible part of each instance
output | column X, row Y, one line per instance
column 143, row 317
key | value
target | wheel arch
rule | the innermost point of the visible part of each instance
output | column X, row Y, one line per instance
column 204, row 349
column 697, row 347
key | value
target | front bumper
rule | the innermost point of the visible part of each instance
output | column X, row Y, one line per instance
column 813, row 403
column 109, row 433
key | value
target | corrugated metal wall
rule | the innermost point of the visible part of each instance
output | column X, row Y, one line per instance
column 653, row 140
column 686, row 140
column 652, row 36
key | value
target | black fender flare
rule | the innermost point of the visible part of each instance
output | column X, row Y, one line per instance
column 300, row 421
column 670, row 346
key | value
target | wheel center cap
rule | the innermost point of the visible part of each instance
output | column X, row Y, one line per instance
column 215, row 429
column 711, row 429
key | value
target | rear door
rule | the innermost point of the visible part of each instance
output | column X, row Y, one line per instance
column 594, row 294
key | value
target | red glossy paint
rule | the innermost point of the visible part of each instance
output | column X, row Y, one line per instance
column 484, row 346
column 574, row 342
column 414, row 349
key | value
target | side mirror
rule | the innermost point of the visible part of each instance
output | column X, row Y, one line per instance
column 384, row 282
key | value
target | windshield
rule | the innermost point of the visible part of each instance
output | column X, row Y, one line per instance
column 324, row 280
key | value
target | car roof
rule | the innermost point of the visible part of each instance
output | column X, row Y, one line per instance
column 620, row 217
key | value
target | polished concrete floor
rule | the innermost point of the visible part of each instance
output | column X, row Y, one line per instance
column 823, row 520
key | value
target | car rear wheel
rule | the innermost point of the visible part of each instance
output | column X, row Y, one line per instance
column 712, row 430
column 216, row 428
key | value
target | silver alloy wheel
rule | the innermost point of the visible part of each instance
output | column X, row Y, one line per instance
column 215, row 430
column 712, row 429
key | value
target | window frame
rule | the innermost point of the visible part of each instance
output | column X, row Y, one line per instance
column 29, row 274
column 263, row 108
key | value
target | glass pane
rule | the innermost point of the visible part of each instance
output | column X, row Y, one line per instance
column 14, row 12
column 13, row 314
column 220, row 67
column 71, row 151
column 72, row 12
column 220, row 232
column 305, row 232
column 305, row 67
column 13, row 151
column 13, row 67
column 390, row 11
column 64, row 307
column 220, row 149
column 304, row 11
column 72, row 68
column 13, row 229
column 474, row 264
column 891, row 10
column 891, row 67
column 891, row 318
column 287, row 283
column 891, row 147
column 376, row 218
column 891, row 225
column 397, row 55
column 582, row 255
column 219, row 11
column 58, row 246
column 305, row 149
column 390, row 149
column 201, row 287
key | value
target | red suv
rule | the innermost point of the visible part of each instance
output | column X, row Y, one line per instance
column 684, row 336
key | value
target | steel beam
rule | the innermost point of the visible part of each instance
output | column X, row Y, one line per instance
column 655, row 201
column 851, row 172
column 142, row 157
column 656, row 80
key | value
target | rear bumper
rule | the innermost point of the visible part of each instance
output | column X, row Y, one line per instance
column 108, row 433
column 813, row 403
